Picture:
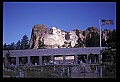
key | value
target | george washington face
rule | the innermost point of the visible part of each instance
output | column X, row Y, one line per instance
column 54, row 31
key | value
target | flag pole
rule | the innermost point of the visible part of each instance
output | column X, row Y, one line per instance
column 100, row 56
column 100, row 32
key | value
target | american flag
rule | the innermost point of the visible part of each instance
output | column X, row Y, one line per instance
column 107, row 22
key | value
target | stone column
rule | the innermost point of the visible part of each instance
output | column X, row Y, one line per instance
column 28, row 60
column 52, row 58
column 95, row 60
column 84, row 58
column 96, row 69
column 40, row 60
column 61, row 74
column 64, row 61
column 17, row 61
column 87, row 58
column 68, row 72
column 63, row 68
column 76, row 59
column 90, row 61
column 99, row 58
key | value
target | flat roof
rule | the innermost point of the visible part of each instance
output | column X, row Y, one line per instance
column 55, row 51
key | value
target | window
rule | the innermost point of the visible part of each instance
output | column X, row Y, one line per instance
column 58, row 58
column 69, row 57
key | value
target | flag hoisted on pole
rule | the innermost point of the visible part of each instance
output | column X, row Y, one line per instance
column 101, row 23
column 107, row 22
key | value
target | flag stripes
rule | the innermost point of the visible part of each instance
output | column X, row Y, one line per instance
column 107, row 22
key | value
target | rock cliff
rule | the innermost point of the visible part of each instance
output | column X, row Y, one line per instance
column 57, row 38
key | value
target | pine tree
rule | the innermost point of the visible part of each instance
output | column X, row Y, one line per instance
column 7, row 59
column 80, row 43
column 92, row 40
column 25, row 42
column 18, row 44
column 12, row 46
column 5, row 47
column 104, row 44
column 111, row 41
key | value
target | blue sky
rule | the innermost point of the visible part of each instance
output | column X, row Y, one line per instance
column 20, row 17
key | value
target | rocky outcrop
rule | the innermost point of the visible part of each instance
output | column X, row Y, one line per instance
column 38, row 32
column 57, row 38
column 105, row 34
column 90, row 30
column 73, row 38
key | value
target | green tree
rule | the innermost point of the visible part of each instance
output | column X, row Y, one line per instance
column 111, row 41
column 18, row 44
column 109, row 55
column 104, row 43
column 92, row 39
column 91, row 56
column 109, row 60
column 9, row 47
column 5, row 47
column 8, row 56
column 106, row 55
column 12, row 46
column 7, row 59
column 25, row 42
column 80, row 43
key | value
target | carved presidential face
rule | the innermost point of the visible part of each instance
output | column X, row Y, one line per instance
column 54, row 31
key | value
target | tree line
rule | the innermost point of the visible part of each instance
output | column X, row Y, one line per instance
column 92, row 40
column 23, row 44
